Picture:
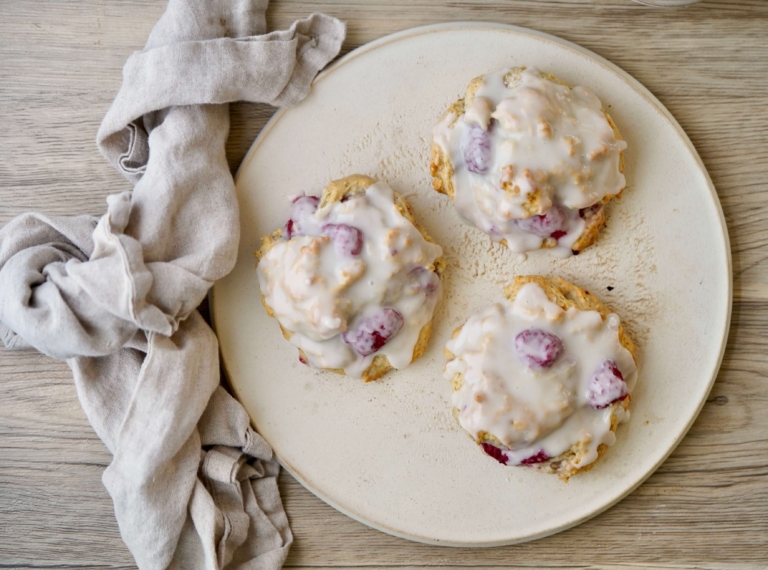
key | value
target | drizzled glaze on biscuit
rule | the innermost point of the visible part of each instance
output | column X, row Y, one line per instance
column 529, row 161
column 349, row 279
column 533, row 380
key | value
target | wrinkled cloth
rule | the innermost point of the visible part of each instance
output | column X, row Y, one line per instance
column 193, row 485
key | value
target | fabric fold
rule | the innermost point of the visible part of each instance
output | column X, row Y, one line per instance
column 193, row 485
column 275, row 68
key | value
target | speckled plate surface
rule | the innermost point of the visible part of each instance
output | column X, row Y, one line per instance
column 389, row 453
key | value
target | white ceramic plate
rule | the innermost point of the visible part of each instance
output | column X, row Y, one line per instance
column 389, row 453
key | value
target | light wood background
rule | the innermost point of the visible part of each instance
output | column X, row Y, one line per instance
column 706, row 507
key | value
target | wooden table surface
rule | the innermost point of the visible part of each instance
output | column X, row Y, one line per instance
column 706, row 507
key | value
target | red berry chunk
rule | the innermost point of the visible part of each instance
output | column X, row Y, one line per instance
column 551, row 223
column 495, row 452
column 477, row 150
column 348, row 240
column 374, row 331
column 539, row 457
column 607, row 386
column 423, row 280
column 558, row 234
column 303, row 208
column 288, row 230
column 309, row 203
column 538, row 348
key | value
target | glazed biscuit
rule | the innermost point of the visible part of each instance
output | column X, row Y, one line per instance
column 352, row 279
column 542, row 378
column 529, row 161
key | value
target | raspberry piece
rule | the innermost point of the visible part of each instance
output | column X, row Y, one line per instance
column 303, row 208
column 288, row 230
column 303, row 201
column 558, row 234
column 539, row 457
column 495, row 452
column 607, row 386
column 538, row 348
column 423, row 280
column 477, row 150
column 348, row 240
column 374, row 331
column 551, row 223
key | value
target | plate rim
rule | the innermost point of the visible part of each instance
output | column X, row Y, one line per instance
column 662, row 110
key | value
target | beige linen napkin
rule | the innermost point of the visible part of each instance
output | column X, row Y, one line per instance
column 193, row 485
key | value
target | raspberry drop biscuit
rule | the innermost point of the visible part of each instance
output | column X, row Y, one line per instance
column 529, row 161
column 352, row 279
column 542, row 378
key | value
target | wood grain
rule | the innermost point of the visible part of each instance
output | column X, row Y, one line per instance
column 705, row 508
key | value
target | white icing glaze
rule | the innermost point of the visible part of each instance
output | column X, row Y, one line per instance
column 546, row 138
column 532, row 410
column 318, row 293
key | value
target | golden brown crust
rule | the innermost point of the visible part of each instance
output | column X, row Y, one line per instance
column 440, row 164
column 565, row 295
column 347, row 186
column 334, row 192
column 441, row 169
